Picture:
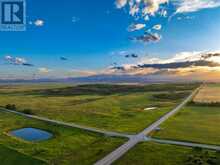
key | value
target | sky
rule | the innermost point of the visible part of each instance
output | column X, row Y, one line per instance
column 85, row 37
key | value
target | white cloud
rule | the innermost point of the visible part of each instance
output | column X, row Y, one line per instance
column 19, row 61
column 191, row 65
column 147, row 38
column 163, row 13
column 185, row 18
column 121, row 3
column 44, row 70
column 134, row 10
column 180, row 57
column 83, row 73
column 135, row 27
column 39, row 22
column 145, row 7
column 8, row 58
column 157, row 27
column 152, row 6
column 146, row 18
column 186, row 6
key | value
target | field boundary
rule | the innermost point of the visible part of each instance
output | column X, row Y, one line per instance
column 72, row 125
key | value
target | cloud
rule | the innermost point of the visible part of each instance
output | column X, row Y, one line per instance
column 182, row 64
column 147, row 9
column 176, row 65
column 44, row 70
column 142, row 7
column 39, row 22
column 185, row 18
column 135, row 27
column 17, row 61
column 186, row 6
column 63, row 58
column 185, row 57
column 8, row 58
column 134, row 10
column 132, row 55
column 147, row 37
column 120, row 53
column 146, row 18
column 163, row 13
column 157, row 27
column 121, row 3
column 152, row 6
column 83, row 73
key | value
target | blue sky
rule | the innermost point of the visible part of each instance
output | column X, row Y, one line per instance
column 92, row 33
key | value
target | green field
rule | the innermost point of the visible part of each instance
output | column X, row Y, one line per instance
column 12, row 157
column 194, row 123
column 68, row 146
column 160, row 154
column 111, row 107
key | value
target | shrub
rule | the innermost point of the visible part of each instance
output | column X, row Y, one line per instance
column 11, row 106
column 208, row 104
column 28, row 111
column 201, row 157
column 170, row 96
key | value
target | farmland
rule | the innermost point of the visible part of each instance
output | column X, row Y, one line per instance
column 111, row 107
column 162, row 154
column 121, row 108
column 68, row 146
column 197, row 122
column 208, row 94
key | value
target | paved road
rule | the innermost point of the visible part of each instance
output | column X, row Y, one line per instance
column 115, row 155
column 187, row 144
column 107, row 133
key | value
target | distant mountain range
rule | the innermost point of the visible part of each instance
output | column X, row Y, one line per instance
column 183, row 67
column 102, row 79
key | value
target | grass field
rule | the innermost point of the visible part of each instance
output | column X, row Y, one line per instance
column 12, row 157
column 196, row 122
column 161, row 154
column 68, row 146
column 111, row 107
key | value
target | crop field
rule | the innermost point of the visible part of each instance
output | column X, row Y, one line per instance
column 119, row 108
column 208, row 94
column 197, row 122
column 161, row 154
column 68, row 146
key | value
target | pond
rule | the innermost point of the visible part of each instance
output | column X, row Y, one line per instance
column 31, row 134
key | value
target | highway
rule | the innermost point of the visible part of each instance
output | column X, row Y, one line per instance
column 107, row 133
column 186, row 144
column 133, row 139
column 119, row 152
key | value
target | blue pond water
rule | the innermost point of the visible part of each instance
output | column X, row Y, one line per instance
column 31, row 134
